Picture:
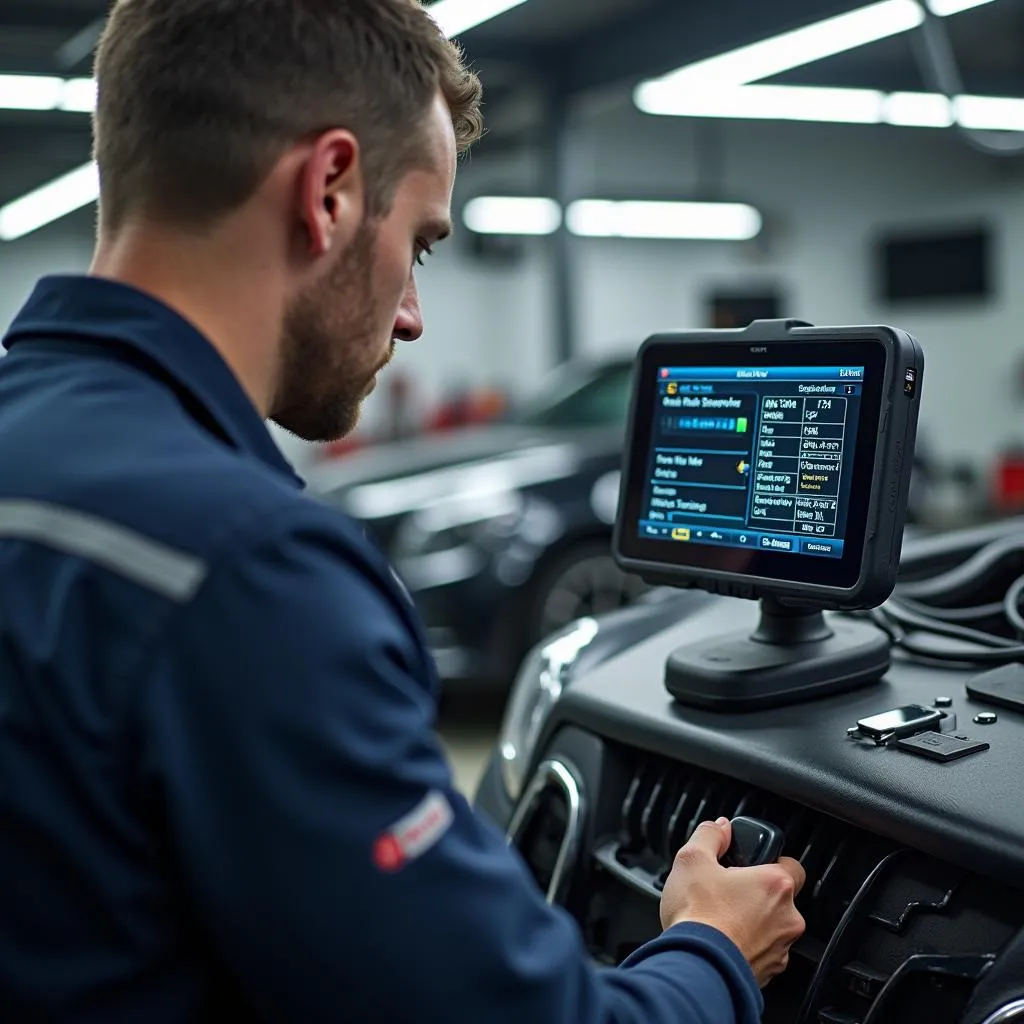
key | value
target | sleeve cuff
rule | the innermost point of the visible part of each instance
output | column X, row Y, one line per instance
column 710, row 943
column 685, row 934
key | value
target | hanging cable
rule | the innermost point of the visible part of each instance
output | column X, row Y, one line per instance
column 941, row 72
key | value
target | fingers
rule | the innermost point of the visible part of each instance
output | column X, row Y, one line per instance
column 726, row 826
column 778, row 968
column 775, row 963
column 796, row 871
column 710, row 839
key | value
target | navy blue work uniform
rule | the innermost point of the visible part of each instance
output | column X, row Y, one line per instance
column 221, row 794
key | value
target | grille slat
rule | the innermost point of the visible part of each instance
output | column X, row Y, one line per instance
column 651, row 821
column 665, row 802
column 870, row 904
column 685, row 809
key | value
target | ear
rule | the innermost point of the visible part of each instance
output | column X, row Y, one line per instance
column 332, row 192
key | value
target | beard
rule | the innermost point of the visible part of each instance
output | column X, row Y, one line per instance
column 328, row 332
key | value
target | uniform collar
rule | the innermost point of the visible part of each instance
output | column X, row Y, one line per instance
column 96, row 309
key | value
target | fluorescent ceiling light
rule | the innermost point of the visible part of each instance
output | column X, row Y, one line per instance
column 765, row 102
column 944, row 8
column 918, row 110
column 81, row 187
column 801, row 46
column 51, row 202
column 599, row 218
column 46, row 92
column 991, row 113
column 500, row 215
column 811, row 43
column 838, row 106
column 30, row 92
column 458, row 16
column 78, row 95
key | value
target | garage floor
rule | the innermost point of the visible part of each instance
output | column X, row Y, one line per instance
column 468, row 724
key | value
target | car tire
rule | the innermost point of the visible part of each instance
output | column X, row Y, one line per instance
column 580, row 581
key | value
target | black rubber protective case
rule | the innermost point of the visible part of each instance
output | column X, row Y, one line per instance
column 894, row 451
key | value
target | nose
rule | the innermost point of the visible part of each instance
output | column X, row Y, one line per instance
column 409, row 324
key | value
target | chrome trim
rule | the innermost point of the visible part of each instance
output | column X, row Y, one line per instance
column 1010, row 1013
column 557, row 773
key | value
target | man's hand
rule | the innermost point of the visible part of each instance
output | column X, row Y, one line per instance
column 752, row 906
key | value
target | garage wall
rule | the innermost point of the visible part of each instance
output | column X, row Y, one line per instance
column 486, row 321
column 63, row 247
column 824, row 189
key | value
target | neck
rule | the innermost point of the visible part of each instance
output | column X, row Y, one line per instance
column 217, row 284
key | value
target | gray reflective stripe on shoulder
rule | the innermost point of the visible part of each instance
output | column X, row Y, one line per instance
column 170, row 573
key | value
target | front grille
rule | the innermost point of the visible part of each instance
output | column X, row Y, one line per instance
column 891, row 935
column 666, row 801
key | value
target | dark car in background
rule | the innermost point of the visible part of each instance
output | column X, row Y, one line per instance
column 501, row 533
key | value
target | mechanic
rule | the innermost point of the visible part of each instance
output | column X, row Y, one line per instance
column 221, row 794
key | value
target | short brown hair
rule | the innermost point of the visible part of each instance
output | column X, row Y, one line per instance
column 199, row 98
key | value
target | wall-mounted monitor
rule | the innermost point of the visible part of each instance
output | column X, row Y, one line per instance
column 935, row 264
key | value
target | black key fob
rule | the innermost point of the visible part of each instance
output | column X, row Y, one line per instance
column 753, row 842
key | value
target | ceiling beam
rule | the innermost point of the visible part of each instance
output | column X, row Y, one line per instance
column 53, row 14
column 27, row 138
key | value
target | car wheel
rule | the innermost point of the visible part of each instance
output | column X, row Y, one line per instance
column 585, row 580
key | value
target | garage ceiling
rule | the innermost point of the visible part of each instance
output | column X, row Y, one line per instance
column 988, row 42
column 573, row 46
column 598, row 41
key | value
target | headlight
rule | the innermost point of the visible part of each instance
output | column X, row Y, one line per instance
column 537, row 690
column 482, row 517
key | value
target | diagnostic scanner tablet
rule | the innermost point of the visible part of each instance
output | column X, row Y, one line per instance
column 771, row 461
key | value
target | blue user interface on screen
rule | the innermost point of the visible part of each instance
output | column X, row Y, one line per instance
column 753, row 457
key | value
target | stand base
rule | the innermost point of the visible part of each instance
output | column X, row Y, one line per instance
column 794, row 656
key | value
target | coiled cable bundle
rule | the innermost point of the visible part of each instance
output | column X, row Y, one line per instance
column 977, row 604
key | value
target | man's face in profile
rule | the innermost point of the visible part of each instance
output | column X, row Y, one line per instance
column 340, row 332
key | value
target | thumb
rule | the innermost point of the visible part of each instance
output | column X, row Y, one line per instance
column 711, row 838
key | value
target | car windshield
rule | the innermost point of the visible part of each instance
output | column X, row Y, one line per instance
column 589, row 398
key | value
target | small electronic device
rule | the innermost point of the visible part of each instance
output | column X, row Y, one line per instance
column 940, row 746
column 753, row 842
column 904, row 721
column 773, row 463
column 1003, row 686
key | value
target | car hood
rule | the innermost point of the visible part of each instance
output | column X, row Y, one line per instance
column 388, row 479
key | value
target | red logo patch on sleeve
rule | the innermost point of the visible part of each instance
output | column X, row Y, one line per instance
column 387, row 854
column 413, row 835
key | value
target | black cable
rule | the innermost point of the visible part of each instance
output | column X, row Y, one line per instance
column 1011, row 605
column 951, row 656
column 981, row 569
column 913, row 618
column 911, row 621
column 972, row 613
column 881, row 620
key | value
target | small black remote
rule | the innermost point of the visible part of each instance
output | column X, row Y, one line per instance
column 754, row 842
